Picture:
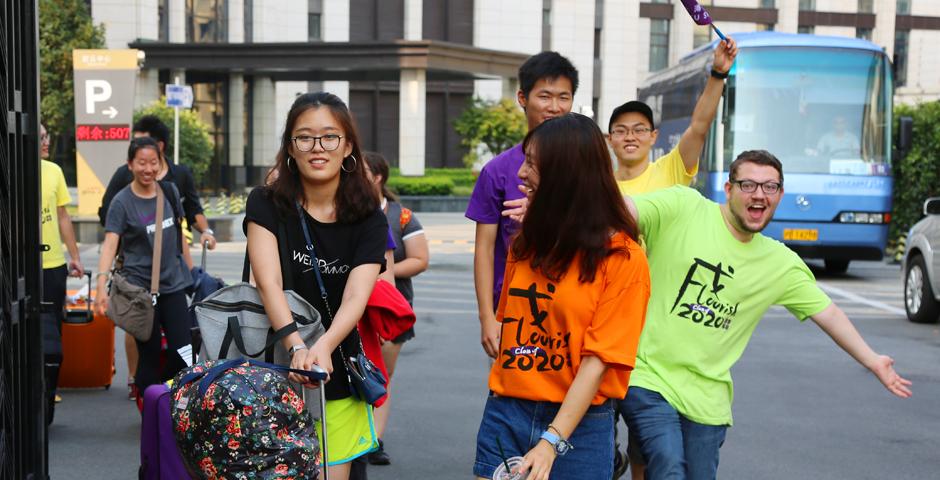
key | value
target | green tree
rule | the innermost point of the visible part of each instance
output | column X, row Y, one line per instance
column 917, row 175
column 497, row 125
column 64, row 25
column 196, row 146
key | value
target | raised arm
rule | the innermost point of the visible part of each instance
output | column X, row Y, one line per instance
column 693, row 139
column 837, row 325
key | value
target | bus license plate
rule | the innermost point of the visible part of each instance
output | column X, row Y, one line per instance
column 801, row 234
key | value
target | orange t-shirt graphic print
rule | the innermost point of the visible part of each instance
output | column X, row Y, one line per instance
column 548, row 327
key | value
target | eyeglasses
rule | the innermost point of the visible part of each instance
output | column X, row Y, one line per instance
column 305, row 143
column 750, row 186
column 638, row 132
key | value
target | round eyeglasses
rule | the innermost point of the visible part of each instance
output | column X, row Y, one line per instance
column 639, row 131
column 305, row 143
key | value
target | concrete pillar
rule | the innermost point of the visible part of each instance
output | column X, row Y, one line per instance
column 336, row 29
column 265, row 139
column 177, row 11
column 236, row 22
column 510, row 87
column 788, row 16
column 883, row 33
column 236, row 129
column 413, row 19
column 148, row 86
column 412, row 112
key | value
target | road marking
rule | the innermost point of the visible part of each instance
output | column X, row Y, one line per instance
column 884, row 307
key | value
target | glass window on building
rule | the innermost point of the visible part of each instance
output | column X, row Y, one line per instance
column 866, row 6
column 902, row 39
column 863, row 33
column 806, row 29
column 702, row 34
column 314, row 20
column 765, row 27
column 808, row 5
column 163, row 21
column 205, row 21
column 768, row 4
column 659, row 44
column 904, row 7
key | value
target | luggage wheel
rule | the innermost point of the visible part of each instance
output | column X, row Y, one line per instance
column 107, row 387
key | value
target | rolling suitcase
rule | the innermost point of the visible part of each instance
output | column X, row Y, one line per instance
column 87, row 345
column 160, row 458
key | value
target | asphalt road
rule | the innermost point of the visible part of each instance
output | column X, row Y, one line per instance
column 803, row 408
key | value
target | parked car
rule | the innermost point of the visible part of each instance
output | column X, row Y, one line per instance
column 922, row 266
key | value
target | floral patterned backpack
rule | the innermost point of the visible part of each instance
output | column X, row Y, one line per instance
column 243, row 420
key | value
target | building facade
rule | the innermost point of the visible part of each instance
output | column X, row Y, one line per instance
column 407, row 68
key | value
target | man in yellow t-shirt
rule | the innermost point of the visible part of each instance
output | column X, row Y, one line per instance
column 56, row 227
column 632, row 134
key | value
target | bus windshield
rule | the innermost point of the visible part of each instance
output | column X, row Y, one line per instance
column 818, row 110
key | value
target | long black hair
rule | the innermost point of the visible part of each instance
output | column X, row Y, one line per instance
column 378, row 165
column 576, row 205
column 355, row 197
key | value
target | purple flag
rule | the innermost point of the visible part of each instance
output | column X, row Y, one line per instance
column 699, row 15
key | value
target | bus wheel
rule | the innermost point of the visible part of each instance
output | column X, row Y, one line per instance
column 836, row 266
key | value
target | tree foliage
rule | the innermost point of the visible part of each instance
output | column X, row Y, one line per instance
column 917, row 175
column 196, row 146
column 496, row 125
column 64, row 25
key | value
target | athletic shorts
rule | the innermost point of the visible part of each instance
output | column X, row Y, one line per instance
column 350, row 430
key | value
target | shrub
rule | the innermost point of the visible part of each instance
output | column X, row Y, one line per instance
column 421, row 185
column 462, row 177
column 917, row 175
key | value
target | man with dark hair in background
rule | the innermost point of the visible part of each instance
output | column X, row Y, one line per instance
column 182, row 176
column 547, row 83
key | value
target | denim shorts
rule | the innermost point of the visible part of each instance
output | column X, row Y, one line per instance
column 519, row 425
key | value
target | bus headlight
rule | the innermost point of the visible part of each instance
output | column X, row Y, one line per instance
column 864, row 217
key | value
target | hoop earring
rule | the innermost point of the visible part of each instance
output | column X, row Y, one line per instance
column 288, row 163
column 342, row 166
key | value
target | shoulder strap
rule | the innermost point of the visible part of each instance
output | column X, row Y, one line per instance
column 157, row 250
column 174, row 200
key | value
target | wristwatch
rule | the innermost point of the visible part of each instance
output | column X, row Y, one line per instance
column 208, row 231
column 560, row 445
column 719, row 75
column 294, row 348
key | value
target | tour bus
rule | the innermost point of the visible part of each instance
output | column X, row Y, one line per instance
column 822, row 105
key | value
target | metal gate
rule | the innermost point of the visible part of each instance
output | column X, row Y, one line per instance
column 22, row 425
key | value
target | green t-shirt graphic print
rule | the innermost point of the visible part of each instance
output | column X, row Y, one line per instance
column 709, row 291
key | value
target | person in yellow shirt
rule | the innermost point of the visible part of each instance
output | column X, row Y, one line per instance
column 632, row 134
column 56, row 228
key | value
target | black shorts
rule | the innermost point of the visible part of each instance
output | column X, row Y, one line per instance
column 404, row 337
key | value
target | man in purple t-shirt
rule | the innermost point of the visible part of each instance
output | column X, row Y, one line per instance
column 547, row 82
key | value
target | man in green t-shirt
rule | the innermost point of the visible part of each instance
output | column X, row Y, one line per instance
column 713, row 276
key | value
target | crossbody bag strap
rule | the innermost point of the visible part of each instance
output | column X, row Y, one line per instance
column 157, row 249
column 316, row 271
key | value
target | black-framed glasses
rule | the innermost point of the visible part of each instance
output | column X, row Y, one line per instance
column 750, row 186
column 305, row 143
column 639, row 131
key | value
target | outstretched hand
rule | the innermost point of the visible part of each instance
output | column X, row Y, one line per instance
column 883, row 368
column 725, row 54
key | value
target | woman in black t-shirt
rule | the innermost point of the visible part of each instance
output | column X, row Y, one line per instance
column 319, row 166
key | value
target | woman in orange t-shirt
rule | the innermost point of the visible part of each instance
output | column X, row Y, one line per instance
column 572, row 308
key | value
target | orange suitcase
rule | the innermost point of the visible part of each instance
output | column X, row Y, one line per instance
column 87, row 345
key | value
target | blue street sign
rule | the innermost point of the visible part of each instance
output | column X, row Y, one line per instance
column 179, row 96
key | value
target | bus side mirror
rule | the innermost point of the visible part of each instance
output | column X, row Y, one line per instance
column 905, row 135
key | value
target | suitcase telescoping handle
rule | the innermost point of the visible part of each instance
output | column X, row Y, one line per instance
column 88, row 313
column 317, row 369
column 205, row 249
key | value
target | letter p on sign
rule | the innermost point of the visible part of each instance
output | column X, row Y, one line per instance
column 96, row 91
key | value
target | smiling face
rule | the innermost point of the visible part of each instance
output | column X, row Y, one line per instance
column 751, row 212
column 629, row 146
column 549, row 98
column 529, row 171
column 145, row 166
column 319, row 165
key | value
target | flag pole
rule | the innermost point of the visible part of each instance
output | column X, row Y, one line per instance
column 720, row 35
